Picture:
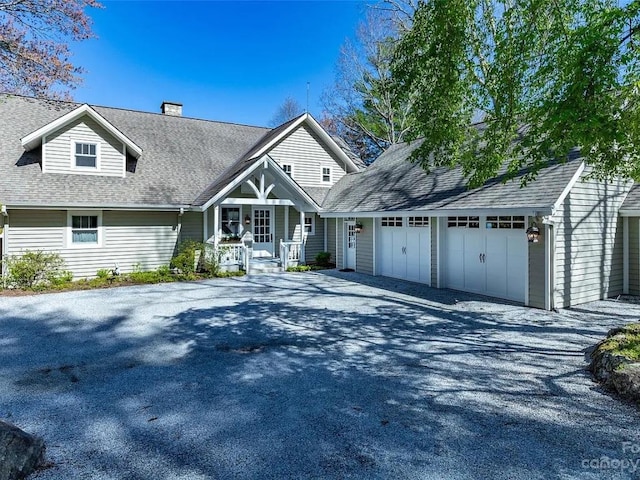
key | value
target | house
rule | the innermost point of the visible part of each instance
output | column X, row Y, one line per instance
column 105, row 186
column 430, row 228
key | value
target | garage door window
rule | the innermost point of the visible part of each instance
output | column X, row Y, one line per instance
column 506, row 222
column 391, row 221
column 463, row 222
column 418, row 221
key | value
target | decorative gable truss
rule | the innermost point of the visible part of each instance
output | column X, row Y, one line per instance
column 82, row 142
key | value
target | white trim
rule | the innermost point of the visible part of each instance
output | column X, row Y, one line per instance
column 442, row 212
column 326, row 238
column 317, row 128
column 44, row 154
column 277, row 171
column 205, row 225
column 374, row 243
column 439, row 253
column 568, row 187
column 217, row 226
column 322, row 180
column 75, row 206
column 548, row 261
column 275, row 202
column 526, row 268
column 286, row 223
column 69, row 230
column 35, row 139
column 312, row 216
column 80, row 169
column 337, row 240
column 124, row 160
column 625, row 255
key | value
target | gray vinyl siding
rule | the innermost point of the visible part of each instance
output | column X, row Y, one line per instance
column 315, row 243
column 537, row 264
column 279, row 213
column 147, row 239
column 191, row 227
column 588, row 243
column 364, row 247
column 331, row 239
column 340, row 244
column 433, row 222
column 59, row 149
column 634, row 256
column 306, row 152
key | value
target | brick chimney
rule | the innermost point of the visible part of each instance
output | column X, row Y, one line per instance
column 171, row 108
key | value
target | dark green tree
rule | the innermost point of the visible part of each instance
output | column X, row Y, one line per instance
column 545, row 76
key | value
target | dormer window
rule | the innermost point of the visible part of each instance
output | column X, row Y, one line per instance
column 86, row 155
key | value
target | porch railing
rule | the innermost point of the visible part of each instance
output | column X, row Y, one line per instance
column 231, row 254
column 290, row 254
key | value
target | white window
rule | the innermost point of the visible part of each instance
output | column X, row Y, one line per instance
column 288, row 169
column 506, row 222
column 391, row 221
column 418, row 221
column 326, row 174
column 463, row 222
column 86, row 155
column 310, row 224
column 84, row 229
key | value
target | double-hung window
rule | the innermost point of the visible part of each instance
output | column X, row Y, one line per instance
column 86, row 155
column 326, row 174
column 310, row 224
column 288, row 169
column 84, row 230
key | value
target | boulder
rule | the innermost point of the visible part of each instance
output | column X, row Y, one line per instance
column 20, row 452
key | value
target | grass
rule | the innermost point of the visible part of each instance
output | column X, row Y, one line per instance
column 625, row 342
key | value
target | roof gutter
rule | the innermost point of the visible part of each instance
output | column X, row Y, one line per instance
column 441, row 212
column 81, row 206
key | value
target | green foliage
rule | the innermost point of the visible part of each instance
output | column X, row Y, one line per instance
column 103, row 273
column 185, row 258
column 300, row 268
column 35, row 268
column 625, row 342
column 323, row 259
column 546, row 76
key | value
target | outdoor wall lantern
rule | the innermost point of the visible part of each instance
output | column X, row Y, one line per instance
column 247, row 219
column 358, row 227
column 533, row 233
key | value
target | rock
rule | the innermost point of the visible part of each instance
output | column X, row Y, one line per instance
column 20, row 452
column 626, row 381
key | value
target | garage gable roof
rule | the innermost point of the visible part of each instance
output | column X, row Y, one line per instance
column 394, row 183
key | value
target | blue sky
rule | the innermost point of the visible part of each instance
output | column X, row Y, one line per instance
column 233, row 61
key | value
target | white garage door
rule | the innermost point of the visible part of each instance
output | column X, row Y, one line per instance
column 404, row 249
column 487, row 255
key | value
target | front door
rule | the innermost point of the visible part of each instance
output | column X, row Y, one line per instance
column 263, row 232
column 350, row 245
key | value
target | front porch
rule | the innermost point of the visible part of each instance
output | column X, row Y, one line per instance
column 265, row 222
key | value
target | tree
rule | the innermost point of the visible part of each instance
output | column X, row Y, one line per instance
column 365, row 109
column 289, row 109
column 34, row 51
column 547, row 76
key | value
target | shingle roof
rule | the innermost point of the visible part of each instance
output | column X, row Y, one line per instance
column 632, row 202
column 181, row 156
column 392, row 183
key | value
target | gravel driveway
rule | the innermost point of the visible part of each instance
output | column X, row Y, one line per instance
column 313, row 375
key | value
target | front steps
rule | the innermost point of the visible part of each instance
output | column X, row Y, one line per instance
column 264, row 265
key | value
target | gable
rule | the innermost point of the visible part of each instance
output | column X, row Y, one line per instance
column 59, row 148
column 308, row 154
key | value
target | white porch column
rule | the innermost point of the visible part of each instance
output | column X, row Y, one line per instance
column 216, row 223
column 286, row 223
column 625, row 255
column 325, row 235
column 302, row 238
column 205, row 226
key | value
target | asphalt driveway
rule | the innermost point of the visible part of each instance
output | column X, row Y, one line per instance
column 315, row 375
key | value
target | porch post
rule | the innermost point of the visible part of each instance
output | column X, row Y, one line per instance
column 205, row 226
column 216, row 222
column 286, row 223
column 302, row 239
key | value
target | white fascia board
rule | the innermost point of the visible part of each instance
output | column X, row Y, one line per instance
column 568, row 187
column 442, row 213
column 632, row 212
column 335, row 148
column 34, row 139
column 79, row 206
column 277, row 171
column 317, row 128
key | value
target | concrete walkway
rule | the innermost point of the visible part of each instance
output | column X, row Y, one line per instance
column 316, row 375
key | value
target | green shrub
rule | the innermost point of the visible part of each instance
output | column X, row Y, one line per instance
column 185, row 258
column 300, row 268
column 103, row 273
column 33, row 268
column 323, row 259
column 164, row 271
column 63, row 278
